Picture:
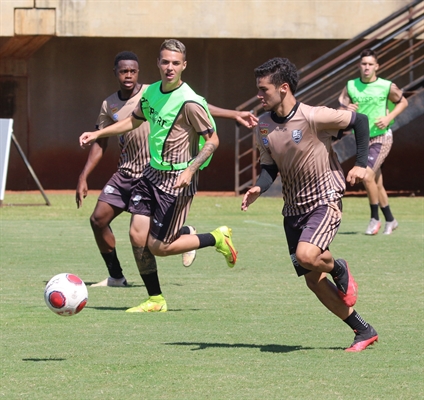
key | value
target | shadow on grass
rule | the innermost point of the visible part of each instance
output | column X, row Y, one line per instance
column 126, row 308
column 109, row 308
column 349, row 233
column 43, row 359
column 271, row 348
column 130, row 285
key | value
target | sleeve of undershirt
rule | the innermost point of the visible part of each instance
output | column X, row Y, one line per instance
column 267, row 177
column 361, row 128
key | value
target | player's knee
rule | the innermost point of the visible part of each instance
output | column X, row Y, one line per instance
column 157, row 247
column 97, row 223
column 306, row 260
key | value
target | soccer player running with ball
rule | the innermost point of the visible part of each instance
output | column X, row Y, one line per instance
column 294, row 139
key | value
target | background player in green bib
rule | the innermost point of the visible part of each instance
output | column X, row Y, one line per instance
column 382, row 101
column 178, row 118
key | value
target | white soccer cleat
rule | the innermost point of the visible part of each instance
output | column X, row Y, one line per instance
column 373, row 227
column 111, row 282
column 189, row 256
column 390, row 227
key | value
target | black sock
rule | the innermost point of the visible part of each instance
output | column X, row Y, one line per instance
column 185, row 230
column 151, row 281
column 374, row 211
column 356, row 322
column 113, row 265
column 206, row 240
column 387, row 213
column 338, row 269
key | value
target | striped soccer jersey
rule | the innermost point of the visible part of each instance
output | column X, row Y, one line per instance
column 300, row 146
column 134, row 144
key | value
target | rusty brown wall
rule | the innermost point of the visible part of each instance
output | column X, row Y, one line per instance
column 69, row 77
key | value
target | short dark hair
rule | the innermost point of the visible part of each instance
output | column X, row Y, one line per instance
column 125, row 55
column 280, row 70
column 173, row 45
column 369, row 53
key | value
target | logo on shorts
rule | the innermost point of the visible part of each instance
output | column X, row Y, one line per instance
column 294, row 260
column 136, row 199
column 108, row 189
column 157, row 223
column 297, row 135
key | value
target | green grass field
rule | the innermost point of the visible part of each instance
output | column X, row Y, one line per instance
column 252, row 332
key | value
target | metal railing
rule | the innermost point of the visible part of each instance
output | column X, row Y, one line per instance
column 398, row 39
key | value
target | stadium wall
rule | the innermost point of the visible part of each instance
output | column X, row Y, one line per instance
column 55, row 94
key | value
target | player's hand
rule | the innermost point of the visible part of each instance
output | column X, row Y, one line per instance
column 356, row 175
column 81, row 192
column 184, row 179
column 250, row 196
column 352, row 107
column 247, row 119
column 382, row 122
column 87, row 138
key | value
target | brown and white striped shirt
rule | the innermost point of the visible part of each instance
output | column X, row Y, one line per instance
column 300, row 146
column 134, row 144
column 182, row 141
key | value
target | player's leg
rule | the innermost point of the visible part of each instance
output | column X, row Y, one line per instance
column 165, row 238
column 383, row 198
column 146, row 264
column 220, row 238
column 312, row 258
column 189, row 256
column 327, row 294
column 391, row 223
column 312, row 262
column 371, row 188
column 309, row 237
column 112, row 201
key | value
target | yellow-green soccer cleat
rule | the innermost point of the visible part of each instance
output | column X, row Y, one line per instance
column 152, row 304
column 224, row 244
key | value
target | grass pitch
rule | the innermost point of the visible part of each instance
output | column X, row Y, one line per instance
column 251, row 332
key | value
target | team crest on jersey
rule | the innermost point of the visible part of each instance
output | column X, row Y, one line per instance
column 265, row 141
column 264, row 132
column 297, row 135
column 115, row 117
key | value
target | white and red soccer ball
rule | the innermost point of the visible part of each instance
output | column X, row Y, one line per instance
column 66, row 294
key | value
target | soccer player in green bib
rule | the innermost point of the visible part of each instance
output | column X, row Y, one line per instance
column 382, row 101
column 182, row 140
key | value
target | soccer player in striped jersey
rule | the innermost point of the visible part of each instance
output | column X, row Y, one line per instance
column 134, row 159
column 294, row 140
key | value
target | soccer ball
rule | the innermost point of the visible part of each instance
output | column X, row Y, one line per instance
column 66, row 294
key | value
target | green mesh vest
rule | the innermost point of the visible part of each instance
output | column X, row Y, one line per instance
column 161, row 110
column 373, row 101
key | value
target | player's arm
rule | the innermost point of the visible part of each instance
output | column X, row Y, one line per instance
column 396, row 97
column 266, row 178
column 126, row 125
column 199, row 120
column 359, row 124
column 245, row 118
column 94, row 156
column 345, row 102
